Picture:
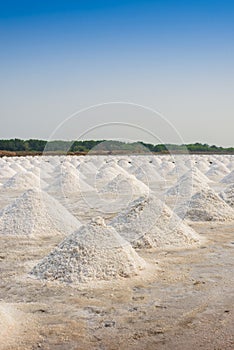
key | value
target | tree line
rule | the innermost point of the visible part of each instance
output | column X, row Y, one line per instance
column 34, row 145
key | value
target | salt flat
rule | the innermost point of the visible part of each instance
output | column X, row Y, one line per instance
column 167, row 295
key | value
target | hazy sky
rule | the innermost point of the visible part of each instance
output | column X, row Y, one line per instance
column 177, row 57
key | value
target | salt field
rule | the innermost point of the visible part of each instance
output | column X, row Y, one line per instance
column 109, row 252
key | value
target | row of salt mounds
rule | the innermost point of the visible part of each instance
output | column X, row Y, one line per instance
column 189, row 183
column 206, row 205
column 228, row 195
column 126, row 184
column 94, row 252
column 228, row 179
column 23, row 181
column 149, row 223
column 36, row 213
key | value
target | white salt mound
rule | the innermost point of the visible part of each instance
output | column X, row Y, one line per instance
column 6, row 319
column 228, row 195
column 36, row 213
column 228, row 179
column 125, row 184
column 146, row 173
column 206, row 205
column 149, row 223
column 203, row 166
column 189, row 183
column 6, row 172
column 86, row 168
column 94, row 252
column 217, row 171
column 16, row 167
column 179, row 169
column 24, row 181
column 166, row 167
column 108, row 172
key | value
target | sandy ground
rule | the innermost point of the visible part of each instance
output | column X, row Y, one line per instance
column 185, row 300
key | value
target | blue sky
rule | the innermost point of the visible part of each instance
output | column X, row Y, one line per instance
column 174, row 56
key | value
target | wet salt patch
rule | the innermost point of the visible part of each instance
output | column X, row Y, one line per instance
column 11, row 325
column 189, row 183
column 230, row 165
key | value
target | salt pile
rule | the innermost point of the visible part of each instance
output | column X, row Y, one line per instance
column 36, row 213
column 16, row 167
column 109, row 170
column 148, row 223
column 228, row 195
column 23, row 181
column 166, row 167
column 156, row 161
column 206, row 205
column 203, row 166
column 6, row 172
column 107, row 173
column 86, row 168
column 229, row 179
column 179, row 169
column 94, row 252
column 69, row 183
column 125, row 184
column 191, row 182
column 217, row 171
column 230, row 165
column 146, row 173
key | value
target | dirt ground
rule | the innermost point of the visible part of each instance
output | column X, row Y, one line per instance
column 184, row 300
